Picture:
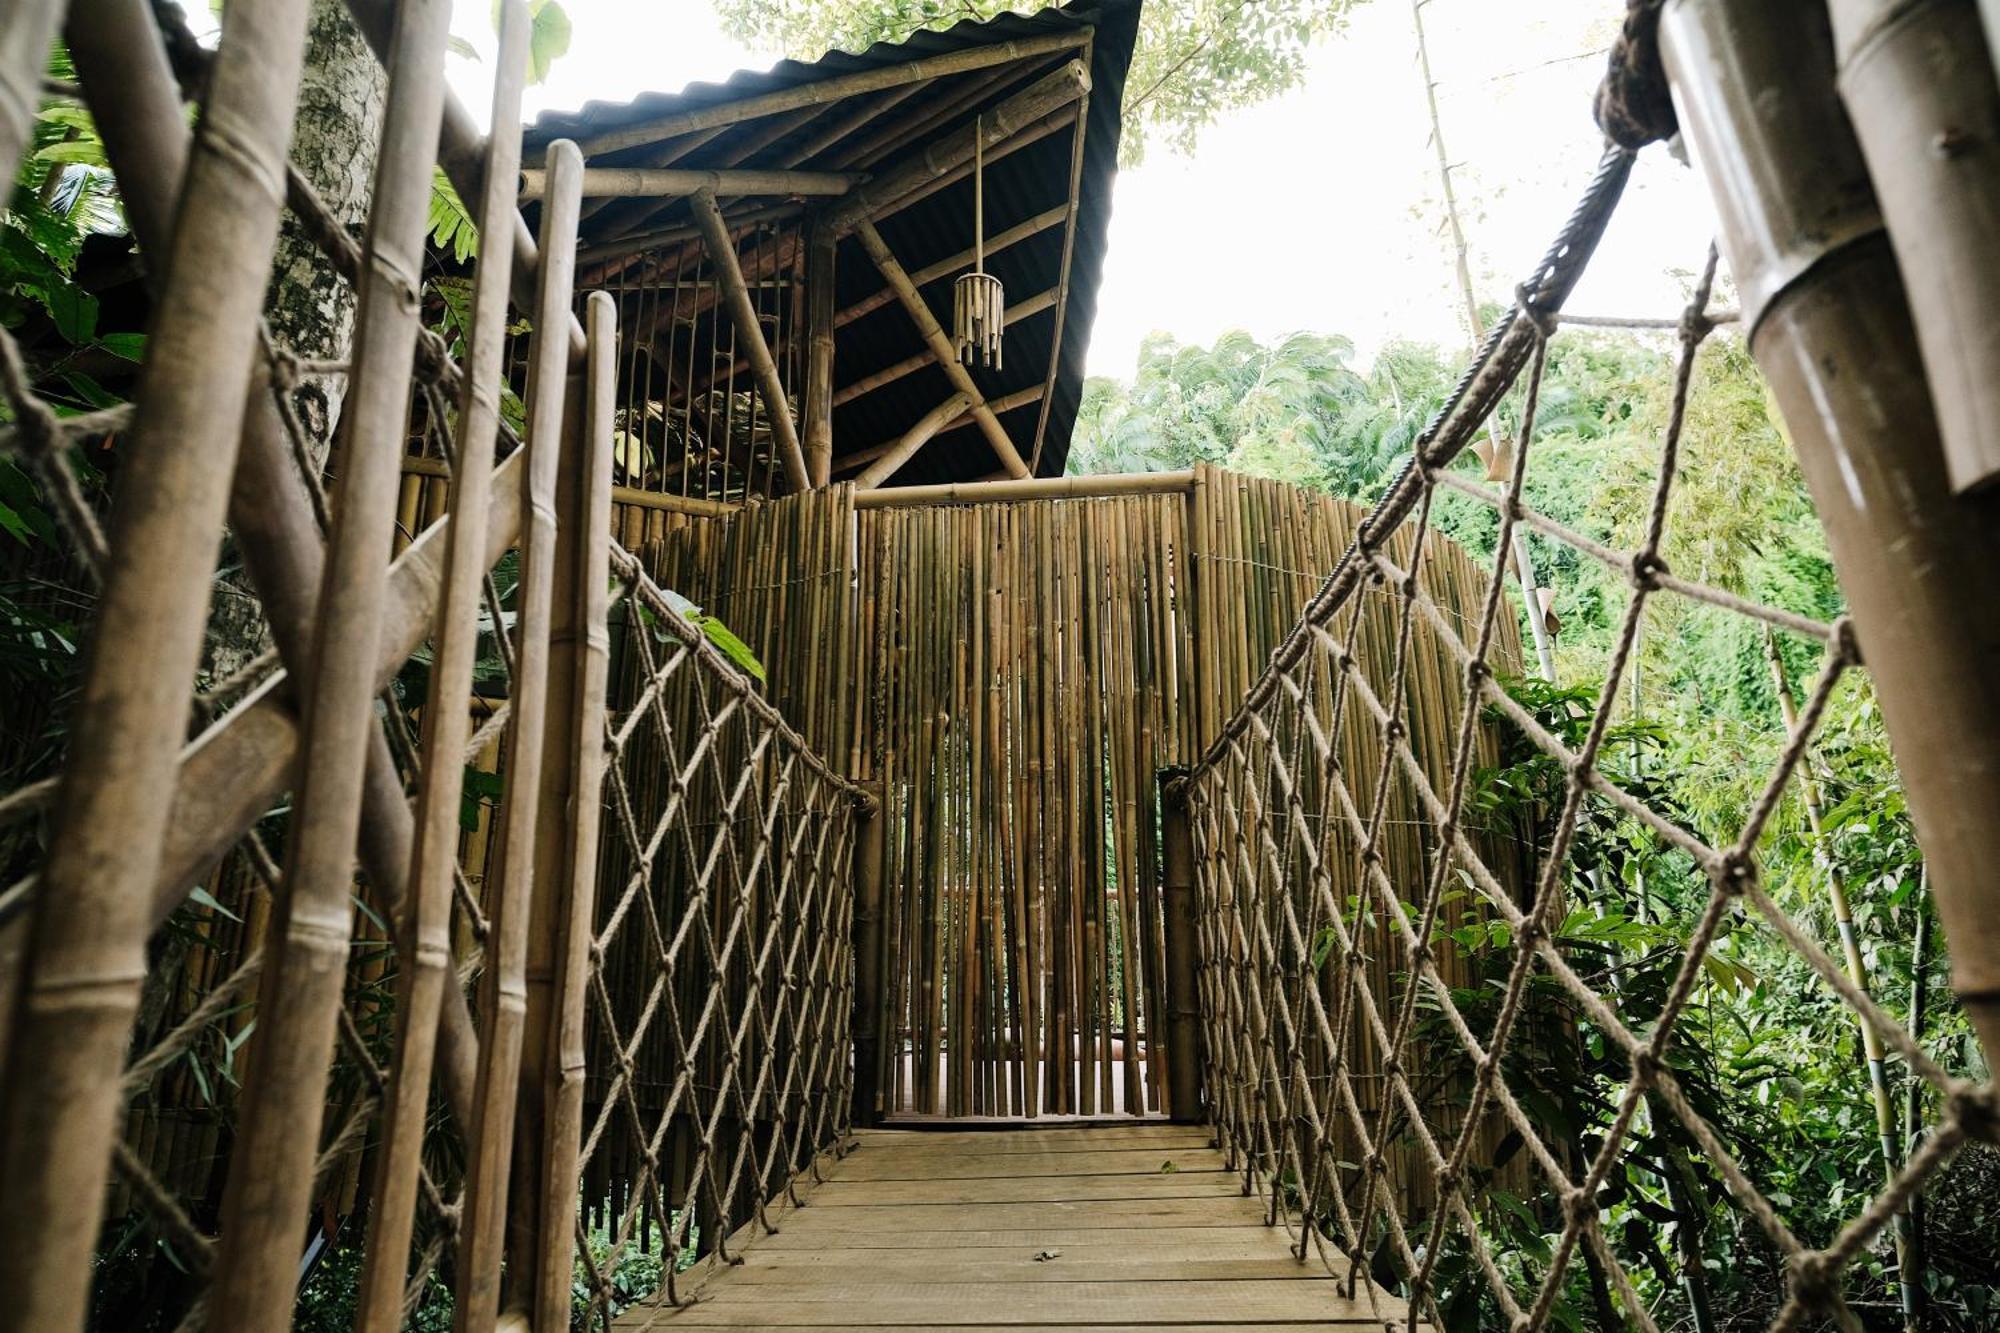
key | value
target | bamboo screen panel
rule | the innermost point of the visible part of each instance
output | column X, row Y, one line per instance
column 1015, row 677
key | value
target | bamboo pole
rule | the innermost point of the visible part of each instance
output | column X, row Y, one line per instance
column 86, row 960
column 871, row 1017
column 1918, row 83
column 830, row 90
column 913, row 439
column 1045, row 96
column 1857, row 969
column 136, row 106
column 24, row 56
column 822, row 252
column 940, row 347
column 999, row 406
column 1074, row 209
column 300, row 991
column 951, row 264
column 623, row 495
column 425, row 935
column 554, row 418
column 673, row 183
column 743, row 313
column 1183, row 1014
column 1020, row 310
column 1827, row 322
column 563, row 934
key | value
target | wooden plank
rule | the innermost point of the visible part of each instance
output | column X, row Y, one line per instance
column 970, row 1164
column 1014, row 1305
column 776, row 1269
column 1078, row 1213
column 1059, row 1188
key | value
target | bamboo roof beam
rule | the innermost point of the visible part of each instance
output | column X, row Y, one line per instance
column 930, row 273
column 939, row 113
column 1034, row 305
column 1051, row 93
column 1062, row 281
column 1000, row 406
column 1054, row 123
column 913, row 439
column 941, row 351
column 666, row 155
column 675, row 182
column 853, row 122
column 829, row 90
column 721, row 248
column 629, row 215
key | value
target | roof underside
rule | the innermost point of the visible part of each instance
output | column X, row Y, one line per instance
column 1021, row 183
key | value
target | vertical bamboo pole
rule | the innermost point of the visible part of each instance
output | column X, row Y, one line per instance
column 79, row 986
column 822, row 250
column 1824, row 307
column 554, row 417
column 299, row 995
column 1183, row 1005
column 425, row 935
column 870, row 1010
column 721, row 249
column 559, row 963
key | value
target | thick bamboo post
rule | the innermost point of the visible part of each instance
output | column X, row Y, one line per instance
column 424, row 941
column 25, row 39
column 559, row 961
column 822, row 252
column 80, row 983
column 136, row 105
column 553, row 417
column 940, row 345
column 721, row 249
column 1182, row 997
column 915, row 438
column 673, row 182
column 1919, row 86
column 300, row 992
column 1824, row 307
column 871, row 1017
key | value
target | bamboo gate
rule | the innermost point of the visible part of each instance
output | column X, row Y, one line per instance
column 635, row 940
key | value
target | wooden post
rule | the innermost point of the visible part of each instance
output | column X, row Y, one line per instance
column 560, row 937
column 940, row 345
column 1183, row 979
column 822, row 251
column 721, row 249
column 871, row 1019
column 1824, row 308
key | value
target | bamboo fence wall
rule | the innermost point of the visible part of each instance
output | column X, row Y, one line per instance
column 1015, row 677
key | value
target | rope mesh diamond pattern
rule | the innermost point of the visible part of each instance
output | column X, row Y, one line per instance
column 1313, row 1064
column 721, row 981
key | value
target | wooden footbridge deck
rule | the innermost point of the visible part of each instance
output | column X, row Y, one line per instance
column 1080, row 1227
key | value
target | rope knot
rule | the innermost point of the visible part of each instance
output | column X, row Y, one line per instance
column 1539, row 317
column 1579, row 1205
column 1646, row 1064
column 1695, row 326
column 1634, row 106
column 1815, row 1274
column 1977, row 1111
column 1477, row 672
column 1732, row 873
column 1844, row 643
column 1647, row 570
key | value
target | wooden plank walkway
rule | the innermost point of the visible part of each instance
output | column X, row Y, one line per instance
column 1088, row 1228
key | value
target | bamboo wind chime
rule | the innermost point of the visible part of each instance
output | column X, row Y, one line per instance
column 979, row 303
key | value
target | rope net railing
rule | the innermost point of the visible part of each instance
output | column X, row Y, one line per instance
column 721, row 978
column 1391, row 1114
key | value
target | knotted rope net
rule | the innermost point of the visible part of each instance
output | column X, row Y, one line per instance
column 1390, row 1116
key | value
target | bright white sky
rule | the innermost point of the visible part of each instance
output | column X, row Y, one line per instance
column 1318, row 211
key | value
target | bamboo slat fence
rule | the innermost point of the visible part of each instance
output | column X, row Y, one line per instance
column 1012, row 677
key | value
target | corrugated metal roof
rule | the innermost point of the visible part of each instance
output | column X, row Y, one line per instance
column 1019, row 186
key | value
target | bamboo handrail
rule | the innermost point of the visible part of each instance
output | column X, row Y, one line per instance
column 669, row 182
column 828, row 90
column 1032, row 488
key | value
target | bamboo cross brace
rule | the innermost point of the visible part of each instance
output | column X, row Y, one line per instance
column 1020, row 310
column 940, row 346
column 743, row 312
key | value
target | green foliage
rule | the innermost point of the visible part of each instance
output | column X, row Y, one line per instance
column 1195, row 60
